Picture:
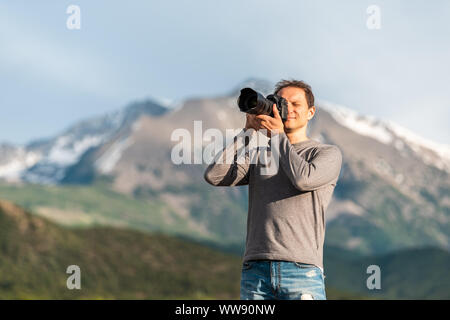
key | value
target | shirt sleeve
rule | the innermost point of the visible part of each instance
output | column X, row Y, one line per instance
column 324, row 167
column 227, row 169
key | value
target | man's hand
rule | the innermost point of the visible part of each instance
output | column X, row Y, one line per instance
column 272, row 125
column 252, row 122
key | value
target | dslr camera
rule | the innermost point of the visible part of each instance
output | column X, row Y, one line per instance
column 253, row 102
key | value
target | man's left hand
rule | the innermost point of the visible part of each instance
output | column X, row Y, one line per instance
column 274, row 124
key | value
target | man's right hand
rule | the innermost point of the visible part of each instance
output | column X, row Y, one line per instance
column 252, row 122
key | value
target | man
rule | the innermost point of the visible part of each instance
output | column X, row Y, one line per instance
column 286, row 214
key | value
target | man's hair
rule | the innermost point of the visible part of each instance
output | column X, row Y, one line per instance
column 297, row 84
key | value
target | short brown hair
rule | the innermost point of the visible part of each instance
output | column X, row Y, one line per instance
column 297, row 84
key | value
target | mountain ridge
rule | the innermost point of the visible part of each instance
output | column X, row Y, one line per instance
column 27, row 168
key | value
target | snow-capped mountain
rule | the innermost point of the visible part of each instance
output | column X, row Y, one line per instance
column 46, row 161
column 393, row 192
column 389, row 132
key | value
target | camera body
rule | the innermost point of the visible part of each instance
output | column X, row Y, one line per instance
column 253, row 102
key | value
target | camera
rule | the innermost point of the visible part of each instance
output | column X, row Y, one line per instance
column 253, row 102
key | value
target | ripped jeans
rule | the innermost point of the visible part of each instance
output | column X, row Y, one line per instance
column 281, row 280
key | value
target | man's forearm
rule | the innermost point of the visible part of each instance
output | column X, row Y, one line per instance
column 227, row 169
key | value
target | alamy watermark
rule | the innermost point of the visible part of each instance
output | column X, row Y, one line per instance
column 374, row 19
column 374, row 280
column 73, row 22
column 237, row 146
column 74, row 280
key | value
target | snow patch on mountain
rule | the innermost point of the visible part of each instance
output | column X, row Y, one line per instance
column 20, row 160
column 67, row 149
column 106, row 163
column 417, row 141
column 420, row 144
column 366, row 125
column 388, row 132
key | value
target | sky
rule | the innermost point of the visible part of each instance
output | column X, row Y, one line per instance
column 52, row 76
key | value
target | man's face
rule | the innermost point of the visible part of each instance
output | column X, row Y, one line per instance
column 298, row 112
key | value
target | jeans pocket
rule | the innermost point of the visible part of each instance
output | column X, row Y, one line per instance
column 304, row 265
column 310, row 270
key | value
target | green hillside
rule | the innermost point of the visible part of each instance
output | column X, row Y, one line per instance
column 115, row 263
column 119, row 264
column 420, row 273
column 98, row 205
column 102, row 220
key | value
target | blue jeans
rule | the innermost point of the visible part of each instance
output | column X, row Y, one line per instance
column 281, row 280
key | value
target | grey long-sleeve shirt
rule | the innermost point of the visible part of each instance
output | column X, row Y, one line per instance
column 286, row 211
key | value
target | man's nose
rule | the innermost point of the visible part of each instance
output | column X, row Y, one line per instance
column 290, row 107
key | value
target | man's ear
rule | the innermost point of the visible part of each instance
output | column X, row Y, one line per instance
column 311, row 112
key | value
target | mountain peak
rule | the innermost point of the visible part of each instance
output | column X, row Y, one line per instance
column 145, row 107
column 264, row 86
